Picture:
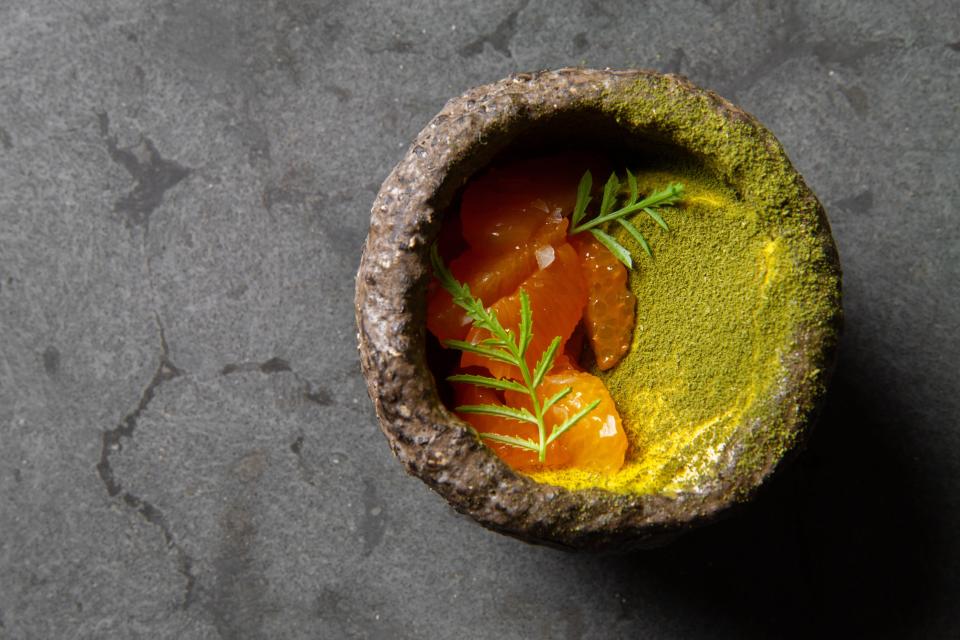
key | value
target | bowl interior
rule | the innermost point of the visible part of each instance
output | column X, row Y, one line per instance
column 704, row 363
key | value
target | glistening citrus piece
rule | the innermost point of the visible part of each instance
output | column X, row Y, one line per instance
column 597, row 442
column 557, row 293
column 520, row 459
column 490, row 278
column 503, row 207
column 609, row 314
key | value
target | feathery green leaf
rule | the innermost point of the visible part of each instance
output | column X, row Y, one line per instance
column 633, row 231
column 634, row 189
column 552, row 400
column 617, row 249
column 608, row 213
column 503, row 384
column 526, row 322
column 486, row 352
column 513, row 441
column 499, row 410
column 546, row 361
column 656, row 216
column 609, row 194
column 583, row 197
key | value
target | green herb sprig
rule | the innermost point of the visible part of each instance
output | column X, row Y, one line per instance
column 505, row 346
column 649, row 205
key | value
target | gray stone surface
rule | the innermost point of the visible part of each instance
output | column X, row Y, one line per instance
column 186, row 446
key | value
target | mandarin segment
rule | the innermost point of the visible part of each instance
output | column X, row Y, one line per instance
column 513, row 236
column 490, row 278
column 609, row 314
column 597, row 442
column 519, row 459
column 503, row 207
column 495, row 223
column 557, row 292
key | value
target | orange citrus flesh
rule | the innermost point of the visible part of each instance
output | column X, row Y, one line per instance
column 511, row 235
column 503, row 207
column 519, row 459
column 609, row 314
column 490, row 277
column 557, row 295
column 597, row 442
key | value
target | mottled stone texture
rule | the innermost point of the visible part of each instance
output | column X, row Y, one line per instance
column 186, row 445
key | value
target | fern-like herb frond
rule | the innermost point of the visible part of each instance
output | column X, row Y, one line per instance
column 509, row 347
column 610, row 213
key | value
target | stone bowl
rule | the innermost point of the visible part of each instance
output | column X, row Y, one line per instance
column 634, row 109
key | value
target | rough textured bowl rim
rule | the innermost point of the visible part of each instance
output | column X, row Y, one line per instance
column 436, row 446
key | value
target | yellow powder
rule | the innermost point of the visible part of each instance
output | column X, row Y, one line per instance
column 716, row 308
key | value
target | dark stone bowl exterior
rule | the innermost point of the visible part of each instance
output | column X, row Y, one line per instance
column 440, row 449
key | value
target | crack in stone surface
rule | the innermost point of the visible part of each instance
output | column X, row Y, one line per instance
column 273, row 365
column 153, row 175
column 311, row 392
column 500, row 38
column 112, row 441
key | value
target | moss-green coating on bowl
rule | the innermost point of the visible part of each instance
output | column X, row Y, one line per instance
column 717, row 306
column 737, row 319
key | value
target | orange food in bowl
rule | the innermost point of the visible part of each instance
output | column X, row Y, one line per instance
column 504, row 206
column 557, row 295
column 596, row 442
column 609, row 314
column 490, row 278
column 512, row 236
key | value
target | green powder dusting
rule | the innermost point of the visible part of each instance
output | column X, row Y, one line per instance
column 738, row 153
column 717, row 309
